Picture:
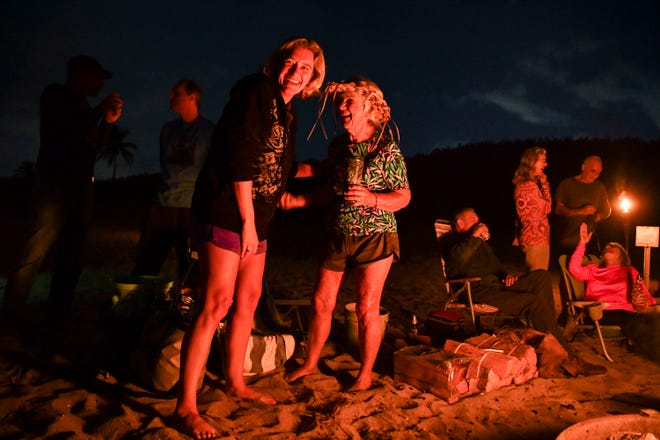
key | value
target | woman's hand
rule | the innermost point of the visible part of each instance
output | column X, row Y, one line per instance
column 359, row 195
column 390, row 201
column 290, row 201
column 585, row 236
column 249, row 239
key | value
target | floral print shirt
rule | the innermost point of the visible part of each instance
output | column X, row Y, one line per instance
column 384, row 171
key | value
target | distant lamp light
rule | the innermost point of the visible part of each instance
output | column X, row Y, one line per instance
column 625, row 204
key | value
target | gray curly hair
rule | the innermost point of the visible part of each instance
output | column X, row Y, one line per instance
column 378, row 110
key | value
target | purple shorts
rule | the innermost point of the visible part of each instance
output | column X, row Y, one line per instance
column 223, row 238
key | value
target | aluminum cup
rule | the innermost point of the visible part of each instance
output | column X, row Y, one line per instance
column 354, row 169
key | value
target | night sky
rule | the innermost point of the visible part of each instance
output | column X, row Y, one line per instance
column 454, row 72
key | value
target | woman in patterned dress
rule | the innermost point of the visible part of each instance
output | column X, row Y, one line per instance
column 533, row 204
column 250, row 158
column 362, row 236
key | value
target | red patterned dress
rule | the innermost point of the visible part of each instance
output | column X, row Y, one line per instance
column 533, row 204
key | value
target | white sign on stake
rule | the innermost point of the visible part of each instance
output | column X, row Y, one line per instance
column 647, row 236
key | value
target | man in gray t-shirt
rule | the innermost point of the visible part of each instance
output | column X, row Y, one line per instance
column 580, row 199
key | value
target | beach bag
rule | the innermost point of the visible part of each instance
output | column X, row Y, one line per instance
column 157, row 359
column 264, row 353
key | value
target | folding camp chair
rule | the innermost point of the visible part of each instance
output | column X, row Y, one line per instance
column 183, row 301
column 268, row 314
column 577, row 306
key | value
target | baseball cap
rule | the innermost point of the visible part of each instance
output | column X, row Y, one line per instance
column 87, row 63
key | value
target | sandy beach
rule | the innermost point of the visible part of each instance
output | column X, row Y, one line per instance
column 62, row 381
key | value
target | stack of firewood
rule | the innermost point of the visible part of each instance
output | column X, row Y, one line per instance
column 479, row 364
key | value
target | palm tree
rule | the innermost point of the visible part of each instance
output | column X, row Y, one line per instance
column 115, row 148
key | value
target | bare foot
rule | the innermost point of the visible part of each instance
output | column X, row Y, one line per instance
column 361, row 384
column 248, row 393
column 300, row 372
column 194, row 425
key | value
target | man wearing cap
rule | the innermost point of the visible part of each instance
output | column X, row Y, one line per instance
column 70, row 132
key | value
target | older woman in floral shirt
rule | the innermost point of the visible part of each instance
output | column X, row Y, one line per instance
column 533, row 204
column 363, row 232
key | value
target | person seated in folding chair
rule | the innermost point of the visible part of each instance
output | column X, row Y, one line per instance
column 468, row 254
column 614, row 282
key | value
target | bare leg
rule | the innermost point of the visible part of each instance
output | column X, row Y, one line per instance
column 371, row 280
column 248, row 291
column 323, row 301
column 219, row 268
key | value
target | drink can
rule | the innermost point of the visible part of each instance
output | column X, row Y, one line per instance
column 354, row 169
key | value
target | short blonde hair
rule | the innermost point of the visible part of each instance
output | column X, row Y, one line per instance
column 276, row 61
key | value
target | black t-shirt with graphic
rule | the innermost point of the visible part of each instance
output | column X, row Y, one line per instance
column 253, row 140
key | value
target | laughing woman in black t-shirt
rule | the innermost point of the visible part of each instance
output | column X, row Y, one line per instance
column 250, row 159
